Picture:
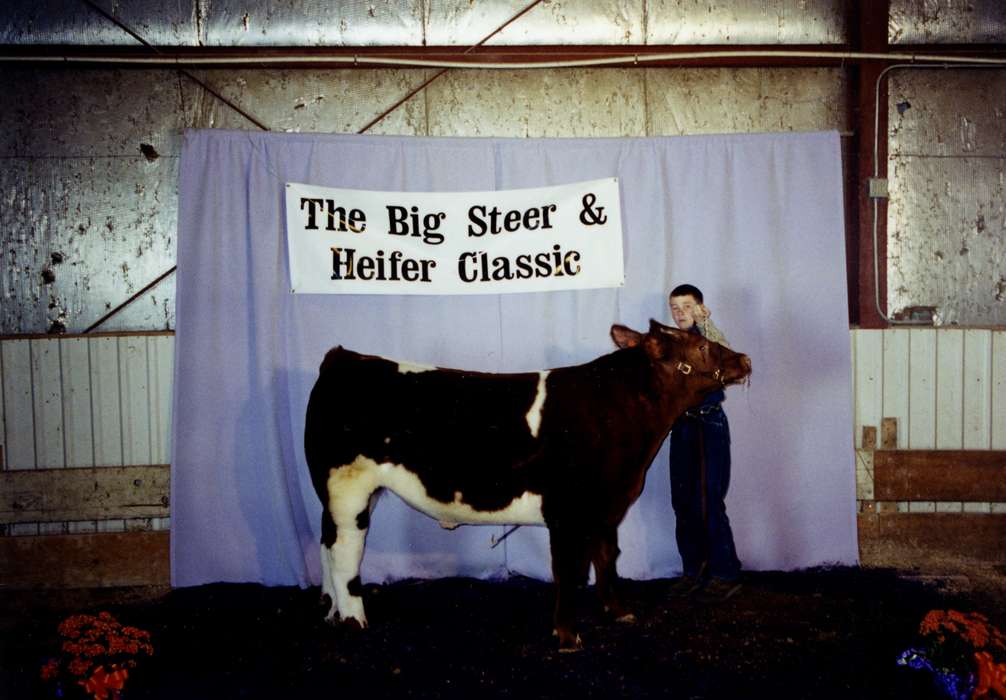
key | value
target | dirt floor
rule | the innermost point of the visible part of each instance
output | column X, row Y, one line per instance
column 820, row 633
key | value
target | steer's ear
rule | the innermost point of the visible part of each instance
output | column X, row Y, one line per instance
column 625, row 337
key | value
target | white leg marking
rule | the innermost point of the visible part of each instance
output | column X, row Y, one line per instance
column 533, row 416
column 349, row 491
column 327, row 582
column 409, row 367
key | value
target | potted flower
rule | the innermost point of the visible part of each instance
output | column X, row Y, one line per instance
column 963, row 651
column 95, row 657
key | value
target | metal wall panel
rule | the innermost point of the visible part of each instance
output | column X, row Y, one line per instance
column 946, row 387
column 47, row 397
column 291, row 23
column 745, row 22
column 731, row 100
column 161, row 22
column 134, row 400
column 922, row 388
column 949, row 390
column 947, row 22
column 425, row 22
column 541, row 103
column 19, row 410
column 106, row 408
column 569, row 22
column 78, row 427
column 102, row 401
column 896, row 380
column 328, row 101
column 998, row 399
column 161, row 352
column 947, row 213
column 868, row 385
column 977, row 382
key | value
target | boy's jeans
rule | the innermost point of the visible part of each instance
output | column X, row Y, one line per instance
column 703, row 538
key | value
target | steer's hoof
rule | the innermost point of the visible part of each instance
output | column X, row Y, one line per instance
column 569, row 644
column 627, row 619
column 351, row 623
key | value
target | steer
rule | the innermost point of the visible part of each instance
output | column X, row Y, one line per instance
column 567, row 448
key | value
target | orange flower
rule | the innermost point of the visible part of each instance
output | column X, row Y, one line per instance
column 991, row 676
column 50, row 670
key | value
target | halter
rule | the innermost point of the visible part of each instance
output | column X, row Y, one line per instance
column 686, row 368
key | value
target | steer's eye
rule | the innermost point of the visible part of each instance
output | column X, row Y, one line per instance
column 702, row 348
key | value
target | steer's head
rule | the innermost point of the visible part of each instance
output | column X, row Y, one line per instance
column 686, row 359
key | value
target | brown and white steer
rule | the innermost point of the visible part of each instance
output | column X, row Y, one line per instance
column 567, row 448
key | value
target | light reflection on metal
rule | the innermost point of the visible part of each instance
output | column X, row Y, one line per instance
column 745, row 22
column 423, row 23
column 269, row 23
column 947, row 22
column 730, row 100
column 947, row 213
column 567, row 22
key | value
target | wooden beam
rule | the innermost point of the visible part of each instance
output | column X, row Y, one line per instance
column 888, row 433
column 940, row 475
column 913, row 539
column 868, row 33
column 92, row 493
column 85, row 561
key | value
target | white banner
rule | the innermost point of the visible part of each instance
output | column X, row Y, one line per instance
column 531, row 240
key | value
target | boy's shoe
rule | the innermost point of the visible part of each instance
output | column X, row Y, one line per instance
column 718, row 590
column 685, row 586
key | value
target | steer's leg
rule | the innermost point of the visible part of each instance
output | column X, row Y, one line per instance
column 349, row 492
column 604, row 554
column 570, row 565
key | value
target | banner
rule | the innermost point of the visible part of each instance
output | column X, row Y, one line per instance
column 530, row 240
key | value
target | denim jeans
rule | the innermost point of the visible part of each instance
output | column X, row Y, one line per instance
column 702, row 528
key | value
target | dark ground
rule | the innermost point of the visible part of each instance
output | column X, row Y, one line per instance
column 821, row 633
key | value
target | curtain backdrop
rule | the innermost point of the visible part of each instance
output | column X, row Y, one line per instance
column 755, row 221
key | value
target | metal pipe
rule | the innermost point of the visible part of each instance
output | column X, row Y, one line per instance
column 474, row 63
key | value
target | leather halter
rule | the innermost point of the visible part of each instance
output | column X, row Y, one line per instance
column 686, row 368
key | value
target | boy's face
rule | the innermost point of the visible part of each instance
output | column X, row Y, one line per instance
column 686, row 311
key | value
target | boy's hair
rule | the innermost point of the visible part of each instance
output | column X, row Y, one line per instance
column 684, row 290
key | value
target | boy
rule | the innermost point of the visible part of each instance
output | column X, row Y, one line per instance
column 700, row 474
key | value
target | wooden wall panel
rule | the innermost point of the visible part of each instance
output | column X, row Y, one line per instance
column 867, row 352
column 78, row 428
column 940, row 475
column 86, row 493
column 19, row 410
column 922, row 388
column 85, row 561
column 977, row 383
column 106, row 409
column 896, row 382
column 134, row 398
column 949, row 390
